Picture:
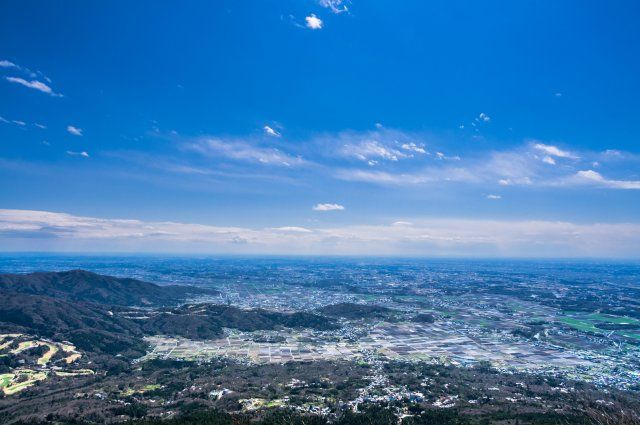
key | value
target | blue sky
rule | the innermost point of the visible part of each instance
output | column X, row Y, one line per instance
column 319, row 126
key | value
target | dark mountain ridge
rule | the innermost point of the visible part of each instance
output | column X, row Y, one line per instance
column 357, row 311
column 90, row 327
column 84, row 286
column 205, row 321
column 86, row 309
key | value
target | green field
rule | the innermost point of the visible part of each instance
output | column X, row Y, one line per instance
column 580, row 324
column 5, row 379
column 630, row 335
column 587, row 322
column 611, row 319
column 10, row 388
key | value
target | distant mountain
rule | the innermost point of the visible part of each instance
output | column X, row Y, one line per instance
column 87, row 309
column 81, row 285
column 357, row 311
column 205, row 321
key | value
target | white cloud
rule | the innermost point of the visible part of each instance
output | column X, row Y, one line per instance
column 516, row 181
column 440, row 155
column 270, row 131
column 82, row 154
column 240, row 150
column 16, row 122
column 293, row 229
column 336, row 6
column 402, row 223
column 553, row 151
column 368, row 149
column 391, row 157
column 32, row 74
column 51, row 231
column 42, row 126
column 313, row 22
column 424, row 176
column 484, row 117
column 328, row 207
column 414, row 148
column 379, row 177
column 590, row 176
column 33, row 84
column 74, row 130
column 494, row 197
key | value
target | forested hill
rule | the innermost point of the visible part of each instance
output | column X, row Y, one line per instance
column 81, row 285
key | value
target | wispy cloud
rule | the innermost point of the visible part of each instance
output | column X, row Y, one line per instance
column 494, row 197
column 328, row 207
column 519, row 166
column 34, row 84
column 293, row 229
column 412, row 147
column 76, row 131
column 372, row 149
column 313, row 22
column 449, row 237
column 424, row 176
column 595, row 178
column 19, row 123
column 553, row 151
column 240, row 150
column 390, row 157
column 7, row 64
column 336, row 6
column 82, row 154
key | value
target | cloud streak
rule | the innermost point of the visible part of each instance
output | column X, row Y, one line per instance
column 82, row 154
column 33, row 84
column 328, row 207
column 336, row 6
column 74, row 130
column 243, row 151
column 551, row 150
column 595, row 178
column 7, row 64
column 388, row 157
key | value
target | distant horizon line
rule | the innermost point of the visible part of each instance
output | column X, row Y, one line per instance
column 116, row 254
